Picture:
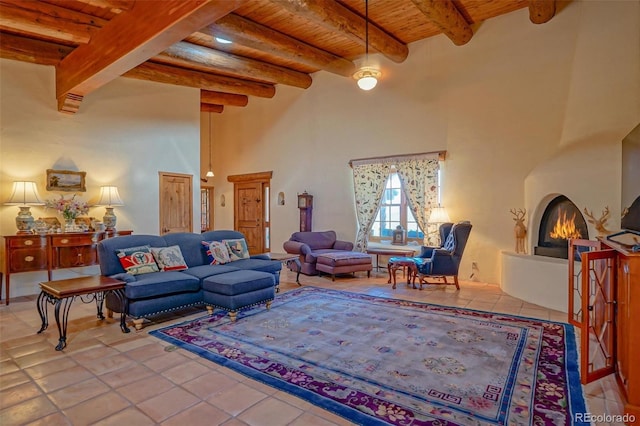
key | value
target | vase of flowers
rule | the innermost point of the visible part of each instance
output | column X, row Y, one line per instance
column 70, row 208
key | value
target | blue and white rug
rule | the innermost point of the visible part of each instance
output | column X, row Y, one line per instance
column 386, row 361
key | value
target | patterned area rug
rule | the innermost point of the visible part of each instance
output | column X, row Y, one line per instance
column 386, row 361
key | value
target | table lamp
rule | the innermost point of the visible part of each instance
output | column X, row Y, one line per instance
column 109, row 198
column 24, row 194
column 437, row 217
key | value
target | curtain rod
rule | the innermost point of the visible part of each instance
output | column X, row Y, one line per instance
column 441, row 156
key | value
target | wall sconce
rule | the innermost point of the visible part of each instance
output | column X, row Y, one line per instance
column 109, row 198
column 25, row 194
column 222, row 201
column 281, row 198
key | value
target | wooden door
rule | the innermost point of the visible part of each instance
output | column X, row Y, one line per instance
column 597, row 329
column 251, row 209
column 176, row 202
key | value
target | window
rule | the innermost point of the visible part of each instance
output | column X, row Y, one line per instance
column 206, row 209
column 394, row 210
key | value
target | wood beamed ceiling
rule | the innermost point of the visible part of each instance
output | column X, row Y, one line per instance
column 92, row 42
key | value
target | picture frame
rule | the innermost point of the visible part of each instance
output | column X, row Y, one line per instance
column 66, row 181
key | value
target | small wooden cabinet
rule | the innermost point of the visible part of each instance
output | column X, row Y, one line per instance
column 25, row 253
column 609, row 274
column 628, row 335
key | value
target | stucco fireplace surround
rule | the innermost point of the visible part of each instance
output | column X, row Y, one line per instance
column 588, row 174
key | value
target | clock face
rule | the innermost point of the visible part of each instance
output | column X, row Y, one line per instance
column 302, row 202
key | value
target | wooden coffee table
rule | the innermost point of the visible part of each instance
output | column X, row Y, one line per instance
column 62, row 293
column 389, row 251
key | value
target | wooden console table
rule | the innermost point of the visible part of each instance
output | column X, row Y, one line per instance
column 33, row 252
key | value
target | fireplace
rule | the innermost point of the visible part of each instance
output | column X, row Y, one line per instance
column 560, row 221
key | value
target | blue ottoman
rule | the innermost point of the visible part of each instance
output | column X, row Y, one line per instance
column 237, row 290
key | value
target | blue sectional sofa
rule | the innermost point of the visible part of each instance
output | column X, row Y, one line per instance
column 230, row 286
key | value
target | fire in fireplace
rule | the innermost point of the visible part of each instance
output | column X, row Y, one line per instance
column 560, row 221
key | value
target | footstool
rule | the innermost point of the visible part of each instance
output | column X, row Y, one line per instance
column 396, row 263
column 344, row 262
column 237, row 290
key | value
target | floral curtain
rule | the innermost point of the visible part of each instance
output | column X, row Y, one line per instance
column 369, row 181
column 419, row 177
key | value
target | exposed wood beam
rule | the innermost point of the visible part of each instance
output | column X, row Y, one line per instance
column 202, row 58
column 333, row 15
column 116, row 49
column 444, row 15
column 259, row 37
column 221, row 98
column 211, row 108
column 48, row 21
column 541, row 11
column 31, row 50
column 202, row 80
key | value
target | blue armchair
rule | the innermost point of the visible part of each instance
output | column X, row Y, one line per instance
column 442, row 262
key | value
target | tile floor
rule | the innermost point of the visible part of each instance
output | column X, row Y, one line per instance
column 105, row 377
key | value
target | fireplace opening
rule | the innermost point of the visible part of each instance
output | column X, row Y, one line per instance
column 560, row 221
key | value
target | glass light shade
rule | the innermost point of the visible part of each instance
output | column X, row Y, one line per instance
column 439, row 215
column 109, row 196
column 209, row 174
column 24, row 193
column 367, row 78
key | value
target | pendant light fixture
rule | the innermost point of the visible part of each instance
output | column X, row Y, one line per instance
column 367, row 76
column 210, row 171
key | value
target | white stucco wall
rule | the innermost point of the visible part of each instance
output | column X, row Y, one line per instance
column 504, row 106
column 507, row 107
column 123, row 135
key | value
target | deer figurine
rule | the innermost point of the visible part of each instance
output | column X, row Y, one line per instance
column 599, row 223
column 520, row 229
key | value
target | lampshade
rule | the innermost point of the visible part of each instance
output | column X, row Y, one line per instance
column 24, row 193
column 109, row 196
column 439, row 215
column 367, row 78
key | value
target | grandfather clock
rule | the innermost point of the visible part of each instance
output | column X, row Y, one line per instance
column 305, row 204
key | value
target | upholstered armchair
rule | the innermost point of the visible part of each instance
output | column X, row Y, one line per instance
column 442, row 262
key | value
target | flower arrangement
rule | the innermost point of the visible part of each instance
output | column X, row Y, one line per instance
column 69, row 207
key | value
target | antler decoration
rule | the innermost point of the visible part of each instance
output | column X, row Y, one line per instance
column 599, row 223
column 520, row 229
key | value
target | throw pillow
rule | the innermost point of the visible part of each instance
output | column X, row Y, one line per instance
column 137, row 260
column 237, row 249
column 217, row 252
column 169, row 258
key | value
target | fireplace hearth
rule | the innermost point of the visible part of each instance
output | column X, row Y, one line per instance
column 560, row 221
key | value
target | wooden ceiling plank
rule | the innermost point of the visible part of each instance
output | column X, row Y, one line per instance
column 541, row 11
column 206, row 59
column 202, row 80
column 221, row 98
column 256, row 36
column 211, row 108
column 446, row 17
column 116, row 49
column 48, row 21
column 333, row 15
column 31, row 50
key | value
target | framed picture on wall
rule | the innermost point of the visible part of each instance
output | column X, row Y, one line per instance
column 66, row 180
